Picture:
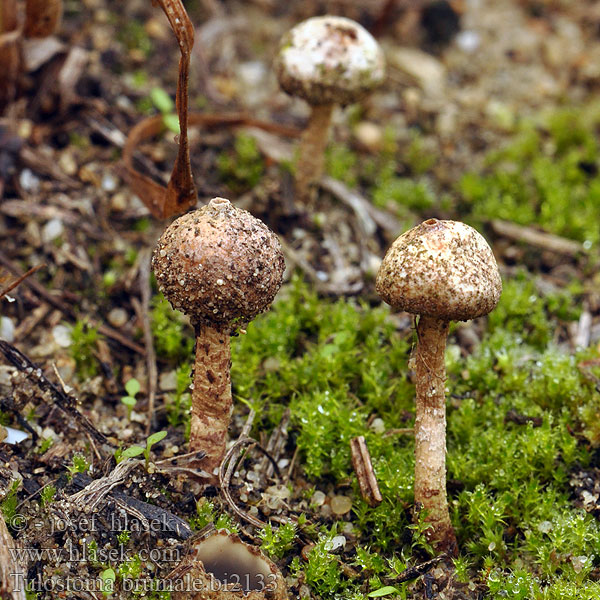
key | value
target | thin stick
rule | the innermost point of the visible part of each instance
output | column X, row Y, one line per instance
column 65, row 402
column 17, row 281
column 363, row 467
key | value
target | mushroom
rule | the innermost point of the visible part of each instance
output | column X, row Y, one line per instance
column 326, row 61
column 441, row 271
column 222, row 567
column 221, row 266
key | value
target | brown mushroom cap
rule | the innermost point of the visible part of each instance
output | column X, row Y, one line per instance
column 442, row 269
column 329, row 60
column 219, row 265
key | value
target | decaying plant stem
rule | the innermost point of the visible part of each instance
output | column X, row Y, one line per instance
column 211, row 397
column 430, row 431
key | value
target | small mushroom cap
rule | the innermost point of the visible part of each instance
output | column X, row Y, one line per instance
column 219, row 265
column 329, row 60
column 442, row 269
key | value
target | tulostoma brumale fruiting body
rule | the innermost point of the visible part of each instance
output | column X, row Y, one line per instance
column 221, row 266
column 326, row 61
column 441, row 271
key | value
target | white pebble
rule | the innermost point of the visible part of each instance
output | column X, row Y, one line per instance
column 62, row 335
column 340, row 505
column 318, row 498
column 29, row 181
column 339, row 541
column 117, row 317
column 52, row 230
column 7, row 329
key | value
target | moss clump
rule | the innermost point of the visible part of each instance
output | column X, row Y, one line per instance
column 241, row 168
column 338, row 364
column 538, row 178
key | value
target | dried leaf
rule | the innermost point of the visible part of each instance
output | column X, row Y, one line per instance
column 180, row 193
column 42, row 17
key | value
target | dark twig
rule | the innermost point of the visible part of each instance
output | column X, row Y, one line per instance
column 162, row 521
column 418, row 570
column 65, row 402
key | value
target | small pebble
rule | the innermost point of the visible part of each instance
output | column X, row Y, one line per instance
column 125, row 434
column 340, row 505
column 52, row 230
column 62, row 335
column 119, row 202
column 117, row 317
column 378, row 426
column 109, row 183
column 468, row 41
column 67, row 163
column 7, row 329
column 168, row 381
column 278, row 491
column 369, row 135
column 339, row 541
column 318, row 498
column 29, row 181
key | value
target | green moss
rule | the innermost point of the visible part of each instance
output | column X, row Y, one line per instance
column 337, row 365
column 546, row 170
column 83, row 349
column 172, row 339
column 242, row 168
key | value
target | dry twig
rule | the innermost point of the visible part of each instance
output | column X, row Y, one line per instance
column 65, row 402
column 361, row 461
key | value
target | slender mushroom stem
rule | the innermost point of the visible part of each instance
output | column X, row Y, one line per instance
column 211, row 397
column 311, row 158
column 430, row 431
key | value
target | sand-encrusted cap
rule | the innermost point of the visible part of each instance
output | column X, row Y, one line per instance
column 329, row 59
column 219, row 265
column 441, row 269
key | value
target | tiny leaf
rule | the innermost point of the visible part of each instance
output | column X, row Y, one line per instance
column 132, row 451
column 155, row 438
column 132, row 387
column 384, row 591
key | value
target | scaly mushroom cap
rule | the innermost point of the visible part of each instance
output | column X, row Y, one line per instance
column 329, row 60
column 441, row 269
column 219, row 265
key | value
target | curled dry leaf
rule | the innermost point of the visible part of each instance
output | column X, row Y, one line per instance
column 180, row 193
column 42, row 17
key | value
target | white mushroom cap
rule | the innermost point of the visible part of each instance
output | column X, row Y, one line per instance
column 329, row 60
column 442, row 269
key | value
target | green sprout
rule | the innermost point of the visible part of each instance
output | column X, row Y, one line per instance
column 164, row 103
column 132, row 387
column 134, row 451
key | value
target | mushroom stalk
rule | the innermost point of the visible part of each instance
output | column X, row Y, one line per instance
column 212, row 403
column 430, row 431
column 311, row 157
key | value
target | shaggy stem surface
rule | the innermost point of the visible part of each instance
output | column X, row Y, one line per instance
column 430, row 431
column 312, row 152
column 211, row 397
